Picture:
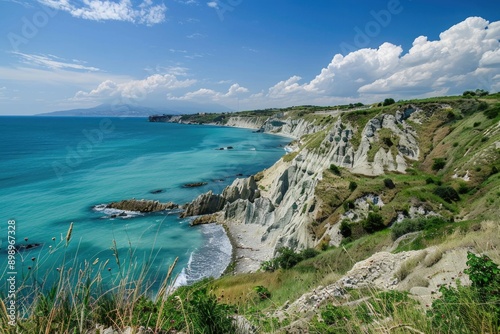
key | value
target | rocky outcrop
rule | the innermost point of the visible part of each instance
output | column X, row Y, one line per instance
column 246, row 122
column 245, row 189
column 141, row 205
column 206, row 203
column 240, row 189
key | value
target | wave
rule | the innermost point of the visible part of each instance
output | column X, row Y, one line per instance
column 210, row 260
column 115, row 213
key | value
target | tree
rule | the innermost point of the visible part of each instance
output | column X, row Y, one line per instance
column 388, row 102
column 373, row 223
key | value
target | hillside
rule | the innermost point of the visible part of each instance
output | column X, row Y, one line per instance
column 428, row 167
column 366, row 225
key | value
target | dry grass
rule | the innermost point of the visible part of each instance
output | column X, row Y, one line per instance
column 433, row 257
column 407, row 267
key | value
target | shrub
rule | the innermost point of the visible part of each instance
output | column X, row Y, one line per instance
column 493, row 112
column 388, row 102
column 476, row 124
column 389, row 184
column 348, row 205
column 308, row 253
column 494, row 170
column 287, row 258
column 429, row 180
column 334, row 169
column 463, row 188
column 345, row 229
column 207, row 315
column 352, row 186
column 482, row 106
column 262, row 292
column 416, row 224
column 438, row 164
column 447, row 193
column 270, row 265
column 407, row 226
column 482, row 271
column 373, row 223
column 470, row 309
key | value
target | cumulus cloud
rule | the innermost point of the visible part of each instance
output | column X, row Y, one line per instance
column 134, row 89
column 466, row 56
column 102, row 10
column 205, row 94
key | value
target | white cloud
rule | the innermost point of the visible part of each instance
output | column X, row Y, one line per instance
column 195, row 35
column 134, row 89
column 205, row 94
column 49, row 61
column 212, row 4
column 466, row 56
column 102, row 10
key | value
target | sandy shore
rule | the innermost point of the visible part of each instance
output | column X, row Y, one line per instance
column 248, row 249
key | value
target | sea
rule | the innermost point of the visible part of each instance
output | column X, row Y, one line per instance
column 57, row 172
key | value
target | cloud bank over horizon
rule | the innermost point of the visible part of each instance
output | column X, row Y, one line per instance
column 465, row 56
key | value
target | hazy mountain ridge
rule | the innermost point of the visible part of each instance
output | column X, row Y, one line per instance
column 130, row 110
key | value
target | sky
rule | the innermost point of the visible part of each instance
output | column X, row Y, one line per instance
column 242, row 54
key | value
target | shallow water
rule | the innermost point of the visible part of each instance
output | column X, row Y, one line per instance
column 54, row 171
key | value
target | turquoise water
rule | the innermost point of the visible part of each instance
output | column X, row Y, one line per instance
column 54, row 171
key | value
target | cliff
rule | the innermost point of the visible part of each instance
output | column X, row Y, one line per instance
column 300, row 201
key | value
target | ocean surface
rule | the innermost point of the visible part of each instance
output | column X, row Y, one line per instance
column 56, row 171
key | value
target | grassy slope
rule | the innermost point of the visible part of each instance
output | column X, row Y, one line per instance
column 460, row 134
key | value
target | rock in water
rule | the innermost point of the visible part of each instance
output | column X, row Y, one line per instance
column 142, row 205
column 195, row 184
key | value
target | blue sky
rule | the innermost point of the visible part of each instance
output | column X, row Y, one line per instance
column 242, row 54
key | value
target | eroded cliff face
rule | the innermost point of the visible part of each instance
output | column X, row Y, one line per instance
column 285, row 201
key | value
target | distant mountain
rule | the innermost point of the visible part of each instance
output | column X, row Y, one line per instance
column 128, row 110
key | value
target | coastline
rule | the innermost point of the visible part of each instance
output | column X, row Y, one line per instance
column 245, row 258
column 248, row 251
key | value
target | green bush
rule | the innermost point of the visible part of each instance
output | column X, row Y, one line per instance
column 438, row 164
column 482, row 106
column 207, row 315
column 308, row 253
column 388, row 102
column 471, row 309
column 373, row 223
column 287, row 258
column 492, row 112
column 345, row 229
column 348, row 205
column 352, row 186
column 262, row 292
column 388, row 183
column 429, row 180
column 334, row 169
column 415, row 225
column 463, row 188
column 447, row 193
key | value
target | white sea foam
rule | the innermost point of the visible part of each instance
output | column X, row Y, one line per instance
column 115, row 213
